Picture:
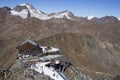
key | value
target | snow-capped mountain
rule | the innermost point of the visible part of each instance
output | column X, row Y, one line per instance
column 27, row 10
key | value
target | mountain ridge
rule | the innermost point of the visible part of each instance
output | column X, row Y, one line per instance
column 27, row 10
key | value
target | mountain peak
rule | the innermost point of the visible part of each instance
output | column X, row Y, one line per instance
column 105, row 20
column 4, row 11
column 25, row 4
column 5, row 7
column 67, row 14
column 20, row 7
column 65, row 11
column 27, row 10
column 29, row 6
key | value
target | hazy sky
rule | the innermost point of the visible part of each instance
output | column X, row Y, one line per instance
column 83, row 8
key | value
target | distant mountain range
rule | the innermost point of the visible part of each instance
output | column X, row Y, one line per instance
column 27, row 10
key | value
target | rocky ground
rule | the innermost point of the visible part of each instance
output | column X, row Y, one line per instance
column 94, row 57
column 21, row 71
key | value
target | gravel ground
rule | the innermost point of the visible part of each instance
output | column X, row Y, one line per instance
column 24, row 73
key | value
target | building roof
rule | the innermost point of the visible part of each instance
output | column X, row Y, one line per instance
column 30, row 41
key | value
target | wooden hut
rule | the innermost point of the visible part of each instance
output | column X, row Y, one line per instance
column 29, row 47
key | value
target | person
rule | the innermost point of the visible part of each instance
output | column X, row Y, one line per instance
column 61, row 66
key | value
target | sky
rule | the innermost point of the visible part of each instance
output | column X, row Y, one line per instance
column 82, row 8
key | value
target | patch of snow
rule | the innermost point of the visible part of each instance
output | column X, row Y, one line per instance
column 22, row 14
column 90, row 17
column 61, row 15
column 50, row 57
column 49, row 71
column 38, row 14
column 118, row 18
column 49, row 50
column 52, row 50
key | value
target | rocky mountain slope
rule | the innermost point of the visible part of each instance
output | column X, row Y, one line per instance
column 87, row 53
column 93, row 46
